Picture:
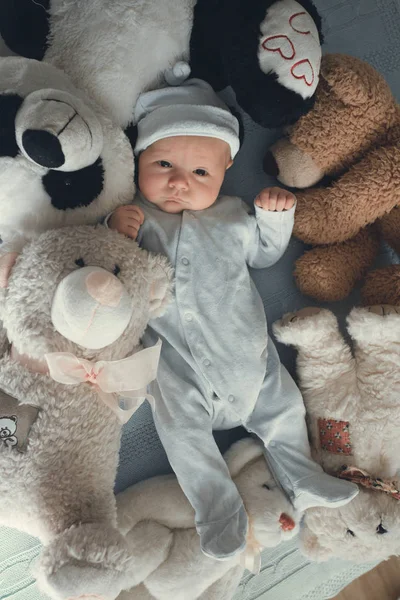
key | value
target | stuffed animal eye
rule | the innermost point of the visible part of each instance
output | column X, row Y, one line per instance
column 80, row 262
column 116, row 270
column 380, row 529
column 266, row 486
column 350, row 532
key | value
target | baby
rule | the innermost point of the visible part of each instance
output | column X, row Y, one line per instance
column 218, row 367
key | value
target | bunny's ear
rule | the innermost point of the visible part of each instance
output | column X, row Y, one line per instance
column 7, row 262
column 161, row 284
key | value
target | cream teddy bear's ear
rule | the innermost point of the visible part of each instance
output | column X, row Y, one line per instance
column 7, row 262
column 161, row 284
column 311, row 546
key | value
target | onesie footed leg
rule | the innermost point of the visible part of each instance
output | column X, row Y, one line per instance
column 321, row 489
column 86, row 560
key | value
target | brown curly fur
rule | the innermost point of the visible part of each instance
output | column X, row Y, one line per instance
column 382, row 286
column 352, row 134
column 334, row 272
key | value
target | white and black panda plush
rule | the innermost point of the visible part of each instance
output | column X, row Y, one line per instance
column 268, row 51
column 64, row 156
column 62, row 160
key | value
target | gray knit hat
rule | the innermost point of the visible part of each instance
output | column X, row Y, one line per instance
column 192, row 108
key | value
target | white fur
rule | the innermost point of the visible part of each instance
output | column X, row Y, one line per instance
column 363, row 389
column 158, row 522
column 102, row 55
column 61, row 488
column 117, row 50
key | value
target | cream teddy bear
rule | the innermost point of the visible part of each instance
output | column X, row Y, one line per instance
column 74, row 305
column 158, row 522
column 353, row 409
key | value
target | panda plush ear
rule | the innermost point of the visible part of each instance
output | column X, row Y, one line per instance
column 7, row 262
column 161, row 284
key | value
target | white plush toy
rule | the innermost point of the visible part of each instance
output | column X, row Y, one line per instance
column 353, row 409
column 64, row 157
column 74, row 305
column 158, row 522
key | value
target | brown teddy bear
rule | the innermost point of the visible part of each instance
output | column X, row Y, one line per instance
column 352, row 139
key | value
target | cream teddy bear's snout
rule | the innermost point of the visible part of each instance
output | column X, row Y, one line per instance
column 91, row 307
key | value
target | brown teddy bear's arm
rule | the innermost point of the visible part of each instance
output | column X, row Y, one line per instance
column 389, row 228
column 365, row 193
column 382, row 286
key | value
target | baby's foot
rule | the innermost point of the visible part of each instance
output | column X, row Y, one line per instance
column 323, row 490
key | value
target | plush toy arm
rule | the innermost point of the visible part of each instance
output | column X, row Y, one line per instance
column 24, row 26
column 329, row 273
column 323, row 358
column 389, row 228
column 365, row 193
column 382, row 286
column 158, row 499
column 150, row 545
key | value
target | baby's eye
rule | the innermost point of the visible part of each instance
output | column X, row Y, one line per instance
column 164, row 164
column 201, row 172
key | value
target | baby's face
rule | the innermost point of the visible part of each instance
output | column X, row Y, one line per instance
column 183, row 172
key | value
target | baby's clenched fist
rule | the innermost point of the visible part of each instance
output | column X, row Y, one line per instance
column 127, row 220
column 276, row 199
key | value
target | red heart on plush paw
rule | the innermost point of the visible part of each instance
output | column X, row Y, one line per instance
column 303, row 70
column 281, row 44
column 300, row 22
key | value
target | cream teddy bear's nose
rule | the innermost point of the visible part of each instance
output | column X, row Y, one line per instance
column 91, row 307
column 104, row 288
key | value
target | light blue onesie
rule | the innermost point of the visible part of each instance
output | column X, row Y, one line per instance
column 218, row 367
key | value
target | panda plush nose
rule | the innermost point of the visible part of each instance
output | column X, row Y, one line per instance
column 56, row 130
column 43, row 148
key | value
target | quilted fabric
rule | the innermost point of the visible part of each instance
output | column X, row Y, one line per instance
column 369, row 29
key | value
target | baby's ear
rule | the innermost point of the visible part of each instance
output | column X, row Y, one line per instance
column 7, row 262
column 161, row 284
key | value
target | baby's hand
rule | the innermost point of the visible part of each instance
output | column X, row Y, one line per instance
column 127, row 220
column 276, row 199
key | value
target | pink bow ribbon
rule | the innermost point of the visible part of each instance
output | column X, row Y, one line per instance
column 127, row 378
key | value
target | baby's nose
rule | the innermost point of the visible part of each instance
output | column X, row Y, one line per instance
column 178, row 180
column 104, row 288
